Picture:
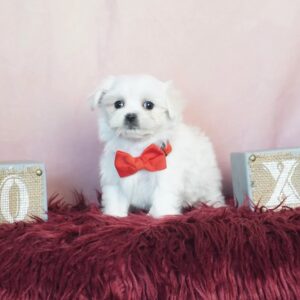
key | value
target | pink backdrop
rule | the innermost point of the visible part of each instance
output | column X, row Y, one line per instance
column 236, row 62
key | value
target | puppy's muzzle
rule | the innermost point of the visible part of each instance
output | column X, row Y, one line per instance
column 131, row 120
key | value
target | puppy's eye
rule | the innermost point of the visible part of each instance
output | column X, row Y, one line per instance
column 119, row 104
column 148, row 105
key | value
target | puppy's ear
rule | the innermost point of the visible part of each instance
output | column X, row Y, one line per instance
column 105, row 86
column 174, row 102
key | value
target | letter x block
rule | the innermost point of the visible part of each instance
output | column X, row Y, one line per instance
column 268, row 178
column 22, row 191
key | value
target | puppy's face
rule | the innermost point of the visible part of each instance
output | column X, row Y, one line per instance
column 136, row 107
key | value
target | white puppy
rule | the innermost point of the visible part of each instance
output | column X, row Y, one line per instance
column 139, row 111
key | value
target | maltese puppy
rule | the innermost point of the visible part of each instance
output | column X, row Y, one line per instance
column 151, row 159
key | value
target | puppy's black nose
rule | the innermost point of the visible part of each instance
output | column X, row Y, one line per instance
column 131, row 118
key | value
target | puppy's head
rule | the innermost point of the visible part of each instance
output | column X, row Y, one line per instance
column 137, row 107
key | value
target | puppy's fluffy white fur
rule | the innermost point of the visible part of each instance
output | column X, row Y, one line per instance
column 192, row 174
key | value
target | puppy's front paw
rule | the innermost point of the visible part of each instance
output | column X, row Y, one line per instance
column 115, row 213
column 114, row 203
column 158, row 213
column 217, row 201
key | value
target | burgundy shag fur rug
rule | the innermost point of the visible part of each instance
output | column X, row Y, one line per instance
column 207, row 253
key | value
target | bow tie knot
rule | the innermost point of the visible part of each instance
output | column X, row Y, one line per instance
column 152, row 159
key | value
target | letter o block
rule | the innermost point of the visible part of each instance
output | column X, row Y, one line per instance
column 23, row 192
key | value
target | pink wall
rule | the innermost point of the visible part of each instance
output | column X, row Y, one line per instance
column 237, row 62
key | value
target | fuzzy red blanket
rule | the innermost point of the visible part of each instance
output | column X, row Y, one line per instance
column 224, row 253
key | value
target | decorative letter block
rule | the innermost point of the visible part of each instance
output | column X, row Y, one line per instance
column 268, row 178
column 22, row 191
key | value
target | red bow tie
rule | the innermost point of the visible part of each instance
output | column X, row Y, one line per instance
column 152, row 159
